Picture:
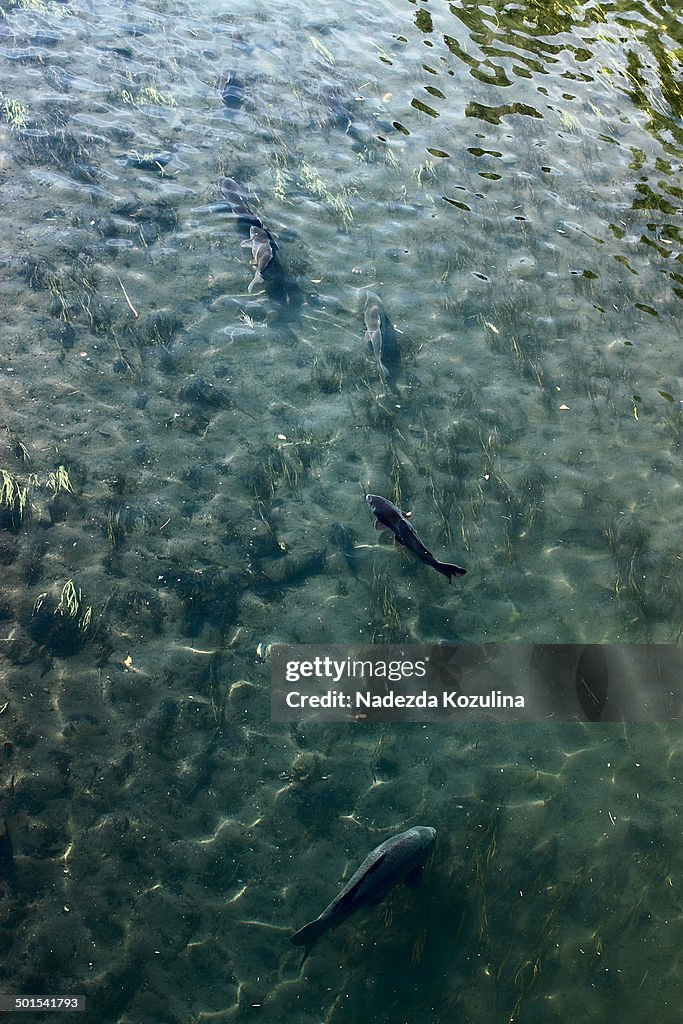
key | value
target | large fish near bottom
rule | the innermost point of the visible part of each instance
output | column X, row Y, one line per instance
column 389, row 517
column 399, row 859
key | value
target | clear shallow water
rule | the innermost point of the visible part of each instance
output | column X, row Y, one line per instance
column 509, row 185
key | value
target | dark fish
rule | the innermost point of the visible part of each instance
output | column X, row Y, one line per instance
column 374, row 335
column 399, row 859
column 236, row 198
column 231, row 89
column 388, row 516
column 262, row 252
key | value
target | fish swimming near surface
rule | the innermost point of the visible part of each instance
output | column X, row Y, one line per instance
column 374, row 330
column 399, row 859
column 236, row 198
column 231, row 89
column 262, row 252
column 389, row 517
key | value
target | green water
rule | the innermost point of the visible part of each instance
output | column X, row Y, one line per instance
column 184, row 470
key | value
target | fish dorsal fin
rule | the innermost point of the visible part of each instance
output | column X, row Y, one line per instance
column 365, row 872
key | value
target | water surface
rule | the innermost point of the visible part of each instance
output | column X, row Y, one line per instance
column 185, row 465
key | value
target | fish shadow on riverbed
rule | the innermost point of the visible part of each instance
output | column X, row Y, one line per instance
column 280, row 286
column 392, row 353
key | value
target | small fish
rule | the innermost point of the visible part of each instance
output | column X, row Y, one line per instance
column 231, row 89
column 399, row 859
column 388, row 516
column 236, row 198
column 262, row 252
column 374, row 325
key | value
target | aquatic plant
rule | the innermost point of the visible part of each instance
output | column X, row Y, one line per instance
column 123, row 519
column 442, row 502
column 149, row 221
column 627, row 539
column 425, row 170
column 73, row 288
column 59, row 481
column 148, row 94
column 284, row 465
column 19, row 449
column 332, row 371
column 338, row 202
column 282, row 178
column 64, row 625
column 14, row 112
column 321, row 49
column 386, row 617
column 14, row 506
column 395, row 474
column 51, row 141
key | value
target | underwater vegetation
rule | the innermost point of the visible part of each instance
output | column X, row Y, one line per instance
column 14, row 506
column 64, row 624
column 123, row 519
column 15, row 498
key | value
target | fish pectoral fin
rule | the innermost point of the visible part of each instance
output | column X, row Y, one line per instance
column 380, row 526
column 246, row 244
column 414, row 877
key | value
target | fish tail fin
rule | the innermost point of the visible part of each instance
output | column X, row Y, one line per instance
column 308, row 935
column 448, row 569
